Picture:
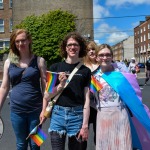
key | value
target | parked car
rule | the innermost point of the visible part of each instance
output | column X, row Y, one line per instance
column 141, row 65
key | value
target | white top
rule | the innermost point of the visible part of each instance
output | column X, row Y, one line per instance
column 107, row 96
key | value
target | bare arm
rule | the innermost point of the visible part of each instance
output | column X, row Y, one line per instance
column 42, row 67
column 5, row 86
column 86, row 112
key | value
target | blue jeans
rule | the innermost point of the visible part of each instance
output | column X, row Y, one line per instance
column 22, row 124
column 66, row 121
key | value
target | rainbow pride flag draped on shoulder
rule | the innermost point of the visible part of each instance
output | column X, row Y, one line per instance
column 125, row 84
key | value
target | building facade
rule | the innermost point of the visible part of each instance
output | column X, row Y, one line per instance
column 142, row 40
column 124, row 50
column 83, row 9
column 5, row 22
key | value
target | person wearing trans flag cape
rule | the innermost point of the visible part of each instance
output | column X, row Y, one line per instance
column 123, row 122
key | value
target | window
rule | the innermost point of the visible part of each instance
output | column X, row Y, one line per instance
column 144, row 47
column 10, row 3
column 4, row 44
column 141, row 30
column 149, row 26
column 141, row 39
column 141, row 48
column 1, row 25
column 144, row 37
column 1, row 45
column 148, row 35
column 144, row 29
column 1, row 4
column 10, row 25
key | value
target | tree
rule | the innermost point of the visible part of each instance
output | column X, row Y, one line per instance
column 48, row 31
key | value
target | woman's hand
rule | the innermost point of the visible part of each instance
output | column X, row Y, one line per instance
column 62, row 79
column 83, row 134
column 42, row 118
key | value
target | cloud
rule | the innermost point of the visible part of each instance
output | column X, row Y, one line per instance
column 135, row 24
column 99, row 11
column 119, row 3
column 117, row 37
column 111, row 34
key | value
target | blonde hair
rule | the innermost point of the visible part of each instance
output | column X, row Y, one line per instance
column 90, row 45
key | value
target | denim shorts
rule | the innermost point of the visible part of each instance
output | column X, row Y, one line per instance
column 66, row 120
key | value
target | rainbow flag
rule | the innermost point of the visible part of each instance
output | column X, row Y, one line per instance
column 37, row 135
column 95, row 85
column 51, row 81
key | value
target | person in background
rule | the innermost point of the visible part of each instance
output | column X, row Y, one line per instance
column 147, row 70
column 91, row 62
column 70, row 114
column 26, row 73
column 132, row 66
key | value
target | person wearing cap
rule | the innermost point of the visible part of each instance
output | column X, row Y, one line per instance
column 147, row 70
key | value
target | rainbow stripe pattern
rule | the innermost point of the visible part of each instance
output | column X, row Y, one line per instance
column 95, row 85
column 51, row 81
column 38, row 136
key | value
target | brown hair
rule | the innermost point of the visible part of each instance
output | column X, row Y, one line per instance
column 76, row 36
column 102, row 46
column 13, row 36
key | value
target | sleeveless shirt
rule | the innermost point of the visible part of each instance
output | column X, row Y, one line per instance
column 26, row 95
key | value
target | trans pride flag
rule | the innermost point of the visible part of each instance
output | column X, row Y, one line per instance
column 125, row 84
column 51, row 81
column 95, row 85
column 37, row 135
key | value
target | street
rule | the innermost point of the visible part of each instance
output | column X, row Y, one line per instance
column 8, row 140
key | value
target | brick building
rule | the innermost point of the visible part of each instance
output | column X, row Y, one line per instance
column 142, row 40
column 5, row 22
column 83, row 9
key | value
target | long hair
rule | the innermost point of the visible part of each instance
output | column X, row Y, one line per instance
column 81, row 41
column 14, row 54
column 90, row 45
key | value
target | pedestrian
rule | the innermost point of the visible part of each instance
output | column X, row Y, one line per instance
column 23, row 71
column 117, row 94
column 70, row 114
column 132, row 66
column 147, row 70
column 91, row 62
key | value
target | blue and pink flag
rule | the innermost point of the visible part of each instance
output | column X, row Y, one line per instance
column 95, row 85
column 126, row 85
column 37, row 135
column 51, row 81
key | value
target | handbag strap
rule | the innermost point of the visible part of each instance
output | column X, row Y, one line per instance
column 68, row 80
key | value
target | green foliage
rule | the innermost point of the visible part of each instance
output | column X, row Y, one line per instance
column 48, row 31
column 4, row 51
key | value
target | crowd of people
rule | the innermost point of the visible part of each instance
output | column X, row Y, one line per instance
column 112, row 108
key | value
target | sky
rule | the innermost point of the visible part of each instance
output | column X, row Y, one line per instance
column 115, row 20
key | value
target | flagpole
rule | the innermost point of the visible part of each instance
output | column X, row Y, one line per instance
column 60, row 73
